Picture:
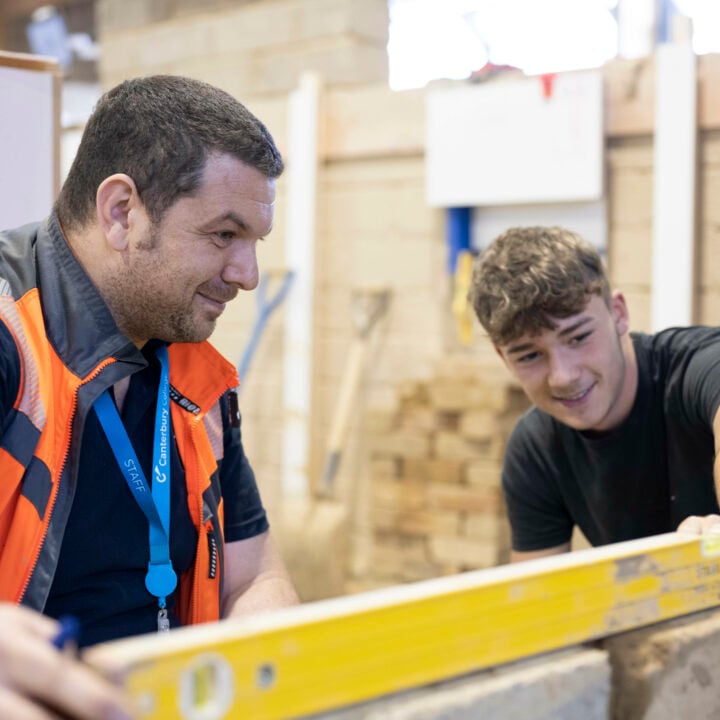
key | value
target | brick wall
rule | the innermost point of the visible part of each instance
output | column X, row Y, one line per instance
column 247, row 48
column 435, row 501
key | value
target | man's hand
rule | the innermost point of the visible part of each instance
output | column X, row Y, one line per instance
column 700, row 525
column 39, row 682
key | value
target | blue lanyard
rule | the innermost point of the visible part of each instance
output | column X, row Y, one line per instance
column 161, row 579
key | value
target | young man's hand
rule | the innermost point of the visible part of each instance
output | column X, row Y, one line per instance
column 700, row 525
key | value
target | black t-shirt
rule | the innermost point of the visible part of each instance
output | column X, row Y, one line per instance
column 100, row 577
column 641, row 478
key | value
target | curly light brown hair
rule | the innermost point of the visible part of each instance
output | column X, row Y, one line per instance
column 529, row 275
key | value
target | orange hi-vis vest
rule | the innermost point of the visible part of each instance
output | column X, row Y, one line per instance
column 70, row 352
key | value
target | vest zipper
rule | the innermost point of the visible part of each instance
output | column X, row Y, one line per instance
column 206, row 528
column 197, row 581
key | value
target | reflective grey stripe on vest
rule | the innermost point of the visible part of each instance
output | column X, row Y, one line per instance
column 30, row 402
column 214, row 428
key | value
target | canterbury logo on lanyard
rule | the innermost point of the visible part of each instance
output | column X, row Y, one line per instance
column 161, row 578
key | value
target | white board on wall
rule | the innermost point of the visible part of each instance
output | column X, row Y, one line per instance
column 505, row 142
column 29, row 137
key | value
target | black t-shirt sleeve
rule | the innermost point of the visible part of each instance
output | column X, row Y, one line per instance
column 701, row 384
column 539, row 519
column 244, row 512
column 9, row 374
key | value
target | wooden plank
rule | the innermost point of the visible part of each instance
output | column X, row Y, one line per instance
column 26, row 61
column 329, row 654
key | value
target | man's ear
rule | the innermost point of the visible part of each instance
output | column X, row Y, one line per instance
column 116, row 198
column 619, row 312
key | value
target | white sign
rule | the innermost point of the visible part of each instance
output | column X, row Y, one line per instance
column 510, row 142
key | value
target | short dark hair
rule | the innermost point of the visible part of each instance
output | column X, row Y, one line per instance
column 529, row 275
column 160, row 130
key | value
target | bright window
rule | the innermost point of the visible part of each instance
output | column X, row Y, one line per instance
column 431, row 39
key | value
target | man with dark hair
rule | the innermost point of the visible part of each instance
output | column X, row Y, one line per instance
column 126, row 498
column 622, row 435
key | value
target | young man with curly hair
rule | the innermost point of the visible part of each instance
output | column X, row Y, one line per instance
column 621, row 437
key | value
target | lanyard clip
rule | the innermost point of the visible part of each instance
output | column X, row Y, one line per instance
column 163, row 620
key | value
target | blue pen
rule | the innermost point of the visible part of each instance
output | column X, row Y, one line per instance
column 68, row 633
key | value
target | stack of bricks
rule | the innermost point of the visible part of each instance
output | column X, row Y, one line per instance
column 436, row 505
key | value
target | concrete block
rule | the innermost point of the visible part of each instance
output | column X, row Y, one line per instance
column 368, row 19
column 374, row 121
column 467, row 367
column 630, row 194
column 668, row 671
column 483, row 473
column 458, row 394
column 709, row 306
column 379, row 420
column 416, row 522
column 709, row 253
column 630, row 96
column 450, row 446
column 401, row 557
column 382, row 396
column 448, row 420
column 407, row 495
column 256, row 25
column 406, row 354
column 116, row 15
column 216, row 7
column 630, row 256
column 434, row 471
column 708, row 91
column 418, row 418
column 386, row 168
column 710, row 186
column 569, row 685
column 480, row 424
column 384, row 468
column 631, row 154
column 334, row 309
column 710, row 151
column 415, row 391
column 394, row 260
column 639, row 306
column 465, row 499
column 484, row 526
column 361, row 209
column 402, row 444
column 467, row 553
column 338, row 60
